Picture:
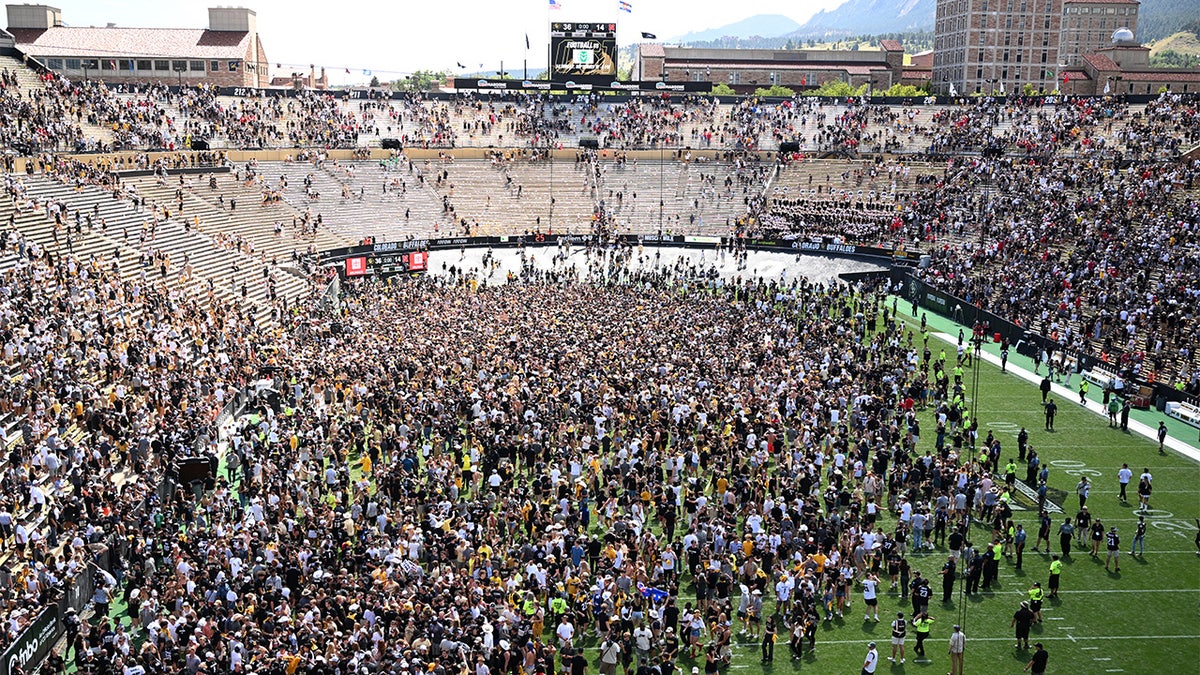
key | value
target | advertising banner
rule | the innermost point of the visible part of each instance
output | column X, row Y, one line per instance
column 33, row 644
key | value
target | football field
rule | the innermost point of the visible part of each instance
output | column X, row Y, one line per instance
column 1144, row 619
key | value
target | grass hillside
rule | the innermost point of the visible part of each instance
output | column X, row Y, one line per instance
column 1180, row 50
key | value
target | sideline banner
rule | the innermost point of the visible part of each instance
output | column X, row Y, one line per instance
column 688, row 241
column 33, row 644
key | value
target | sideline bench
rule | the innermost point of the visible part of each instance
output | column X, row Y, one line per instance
column 1101, row 375
column 1185, row 412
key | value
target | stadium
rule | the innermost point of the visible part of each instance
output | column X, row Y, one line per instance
column 587, row 374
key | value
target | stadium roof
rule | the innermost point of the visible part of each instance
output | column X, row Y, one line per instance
column 196, row 43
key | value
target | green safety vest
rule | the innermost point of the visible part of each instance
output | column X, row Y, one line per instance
column 1036, row 594
column 1056, row 567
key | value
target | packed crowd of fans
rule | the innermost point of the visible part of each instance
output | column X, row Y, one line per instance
column 405, row 506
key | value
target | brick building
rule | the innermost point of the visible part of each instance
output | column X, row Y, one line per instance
column 748, row 69
column 993, row 45
column 1123, row 67
column 228, row 53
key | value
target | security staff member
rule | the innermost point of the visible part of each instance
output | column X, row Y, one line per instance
column 1055, row 575
column 949, row 571
column 1036, row 596
column 922, row 624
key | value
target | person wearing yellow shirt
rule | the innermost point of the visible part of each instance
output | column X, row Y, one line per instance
column 820, row 559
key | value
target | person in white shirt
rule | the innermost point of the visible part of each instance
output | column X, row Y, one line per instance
column 1123, row 478
column 783, row 593
column 872, row 660
column 565, row 632
column 870, row 586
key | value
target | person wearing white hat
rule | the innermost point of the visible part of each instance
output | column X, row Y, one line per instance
column 871, row 662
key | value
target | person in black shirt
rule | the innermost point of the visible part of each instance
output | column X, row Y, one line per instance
column 1114, row 548
column 949, row 571
column 669, row 651
column 1037, row 664
column 768, row 640
column 1022, row 620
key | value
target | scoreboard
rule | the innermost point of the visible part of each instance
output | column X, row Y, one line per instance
column 584, row 53
column 386, row 264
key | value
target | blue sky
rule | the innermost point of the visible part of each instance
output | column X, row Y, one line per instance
column 397, row 37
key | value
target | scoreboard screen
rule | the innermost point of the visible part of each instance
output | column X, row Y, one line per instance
column 585, row 53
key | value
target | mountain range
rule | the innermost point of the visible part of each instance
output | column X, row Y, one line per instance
column 760, row 25
column 1157, row 18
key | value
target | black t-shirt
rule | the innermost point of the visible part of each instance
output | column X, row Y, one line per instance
column 1040, row 658
column 956, row 540
column 579, row 664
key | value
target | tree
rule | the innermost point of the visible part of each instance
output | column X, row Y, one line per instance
column 901, row 90
column 722, row 89
column 422, row 80
column 837, row 88
column 790, row 45
column 775, row 90
column 374, row 81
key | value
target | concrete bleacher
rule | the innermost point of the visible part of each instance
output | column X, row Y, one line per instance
column 253, row 221
column 690, row 205
column 481, row 194
column 352, row 202
column 120, row 241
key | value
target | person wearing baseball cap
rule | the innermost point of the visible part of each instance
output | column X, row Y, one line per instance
column 958, row 644
column 1037, row 664
column 872, row 660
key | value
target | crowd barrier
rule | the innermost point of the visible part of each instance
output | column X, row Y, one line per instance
column 876, row 254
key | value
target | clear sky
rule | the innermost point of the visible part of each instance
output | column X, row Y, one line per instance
column 392, row 38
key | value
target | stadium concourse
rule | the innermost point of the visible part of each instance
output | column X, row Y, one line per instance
column 641, row 456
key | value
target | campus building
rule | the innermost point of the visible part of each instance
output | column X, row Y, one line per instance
column 748, row 69
column 1003, row 45
column 1123, row 67
column 228, row 53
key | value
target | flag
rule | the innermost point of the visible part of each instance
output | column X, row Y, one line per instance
column 655, row 595
column 527, row 41
column 953, row 91
column 1106, row 87
column 460, row 65
column 649, row 36
column 347, row 71
column 625, row 7
column 1002, row 92
column 555, row 4
column 1066, row 78
column 366, row 72
column 131, row 65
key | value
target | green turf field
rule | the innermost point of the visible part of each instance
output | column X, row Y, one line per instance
column 1145, row 619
